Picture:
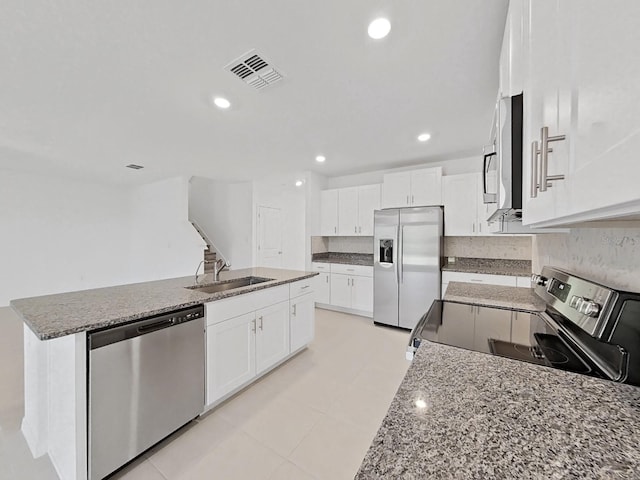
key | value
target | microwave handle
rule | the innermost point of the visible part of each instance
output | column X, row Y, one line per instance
column 487, row 197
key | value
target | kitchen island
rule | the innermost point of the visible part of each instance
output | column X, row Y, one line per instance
column 465, row 414
column 55, row 347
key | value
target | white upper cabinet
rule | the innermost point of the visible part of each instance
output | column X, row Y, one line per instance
column 465, row 214
column 582, row 82
column 368, row 202
column 349, row 211
column 396, row 190
column 329, row 212
column 412, row 188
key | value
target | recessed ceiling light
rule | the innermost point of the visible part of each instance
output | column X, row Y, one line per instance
column 423, row 137
column 320, row 158
column 299, row 183
column 221, row 102
column 421, row 403
column 379, row 28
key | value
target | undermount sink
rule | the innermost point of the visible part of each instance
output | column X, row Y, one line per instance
column 230, row 284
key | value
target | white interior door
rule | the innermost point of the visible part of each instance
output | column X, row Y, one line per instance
column 269, row 237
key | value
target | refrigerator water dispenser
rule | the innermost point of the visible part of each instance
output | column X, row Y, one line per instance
column 386, row 250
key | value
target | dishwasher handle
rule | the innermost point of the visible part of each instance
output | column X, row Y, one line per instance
column 152, row 327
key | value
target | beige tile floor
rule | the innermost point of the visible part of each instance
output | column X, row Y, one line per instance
column 312, row 418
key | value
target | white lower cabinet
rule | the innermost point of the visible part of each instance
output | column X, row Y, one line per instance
column 340, row 290
column 362, row 293
column 352, row 291
column 348, row 287
column 248, row 334
column 272, row 335
column 302, row 321
column 322, row 288
column 231, row 355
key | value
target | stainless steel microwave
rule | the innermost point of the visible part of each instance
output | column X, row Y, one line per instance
column 502, row 166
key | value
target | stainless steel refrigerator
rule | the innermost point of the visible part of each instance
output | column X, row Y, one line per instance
column 407, row 261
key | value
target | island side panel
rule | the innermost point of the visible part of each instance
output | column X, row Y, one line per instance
column 55, row 419
column 35, row 424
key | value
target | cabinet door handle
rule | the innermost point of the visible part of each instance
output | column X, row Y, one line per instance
column 253, row 325
column 479, row 227
column 359, row 229
column 412, row 200
column 294, row 309
column 260, row 326
column 355, row 229
column 408, row 200
column 473, row 227
column 544, row 158
column 327, row 279
column 335, row 229
column 535, row 151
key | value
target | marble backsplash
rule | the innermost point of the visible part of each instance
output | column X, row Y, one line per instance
column 610, row 256
column 511, row 248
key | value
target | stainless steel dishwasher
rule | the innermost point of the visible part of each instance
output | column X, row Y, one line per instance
column 146, row 380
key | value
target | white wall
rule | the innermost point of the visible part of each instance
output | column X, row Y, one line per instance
column 449, row 167
column 163, row 242
column 224, row 211
column 61, row 235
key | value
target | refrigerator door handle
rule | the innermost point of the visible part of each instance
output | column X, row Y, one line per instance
column 400, row 260
column 396, row 255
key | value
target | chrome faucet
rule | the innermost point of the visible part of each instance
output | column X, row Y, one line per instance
column 218, row 266
column 198, row 268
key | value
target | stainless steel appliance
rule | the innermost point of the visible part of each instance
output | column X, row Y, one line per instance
column 502, row 169
column 407, row 261
column 586, row 328
column 146, row 380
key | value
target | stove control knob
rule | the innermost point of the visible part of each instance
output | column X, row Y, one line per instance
column 539, row 280
column 590, row 308
column 585, row 306
column 575, row 302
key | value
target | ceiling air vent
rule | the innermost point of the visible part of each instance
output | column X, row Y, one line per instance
column 254, row 70
column 134, row 166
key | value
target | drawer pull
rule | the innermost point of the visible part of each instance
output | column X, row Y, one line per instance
column 302, row 288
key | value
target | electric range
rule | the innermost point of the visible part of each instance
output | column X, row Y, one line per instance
column 586, row 328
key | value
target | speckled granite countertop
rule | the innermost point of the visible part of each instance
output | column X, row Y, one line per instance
column 52, row 316
column 517, row 268
column 345, row 258
column 493, row 417
column 494, row 295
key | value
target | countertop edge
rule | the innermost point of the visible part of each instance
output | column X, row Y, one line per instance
column 207, row 298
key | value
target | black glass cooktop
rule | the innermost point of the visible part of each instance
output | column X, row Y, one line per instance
column 507, row 333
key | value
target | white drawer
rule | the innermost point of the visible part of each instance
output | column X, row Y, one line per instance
column 320, row 267
column 359, row 270
column 301, row 287
column 231, row 307
column 505, row 280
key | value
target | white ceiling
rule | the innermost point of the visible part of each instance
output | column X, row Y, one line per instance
column 88, row 87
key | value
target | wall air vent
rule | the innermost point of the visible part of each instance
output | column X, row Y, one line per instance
column 133, row 166
column 254, row 70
